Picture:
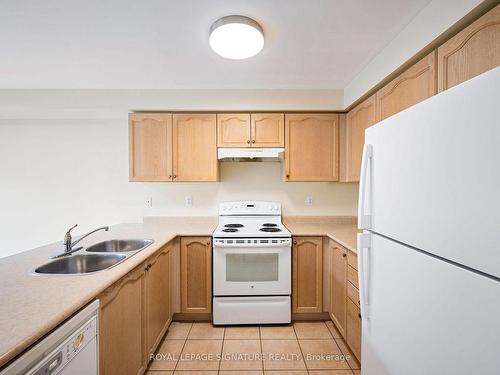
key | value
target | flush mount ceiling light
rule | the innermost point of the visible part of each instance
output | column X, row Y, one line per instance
column 236, row 37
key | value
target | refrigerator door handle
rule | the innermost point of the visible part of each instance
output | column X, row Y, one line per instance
column 364, row 218
column 364, row 246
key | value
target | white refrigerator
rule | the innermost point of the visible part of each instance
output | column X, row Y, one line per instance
column 429, row 254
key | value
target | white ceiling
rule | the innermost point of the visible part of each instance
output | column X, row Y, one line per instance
column 310, row 44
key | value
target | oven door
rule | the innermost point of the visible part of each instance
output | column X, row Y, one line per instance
column 257, row 267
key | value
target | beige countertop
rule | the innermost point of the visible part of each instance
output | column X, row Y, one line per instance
column 341, row 229
column 32, row 305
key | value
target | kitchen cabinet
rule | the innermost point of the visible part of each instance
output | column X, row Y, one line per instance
column 121, row 326
column 158, row 297
column 268, row 129
column 338, row 286
column 233, row 130
column 166, row 147
column 194, row 147
column 472, row 51
column 135, row 313
column 352, row 138
column 412, row 86
column 312, row 147
column 196, row 275
column 251, row 130
column 353, row 328
column 307, row 271
column 150, row 146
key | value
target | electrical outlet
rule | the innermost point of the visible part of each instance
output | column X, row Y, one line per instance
column 148, row 202
column 189, row 201
column 309, row 201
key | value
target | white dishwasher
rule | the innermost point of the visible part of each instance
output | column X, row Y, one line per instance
column 72, row 348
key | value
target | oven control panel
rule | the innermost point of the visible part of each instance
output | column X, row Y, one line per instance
column 250, row 208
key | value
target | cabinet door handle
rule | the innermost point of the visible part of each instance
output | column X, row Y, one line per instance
column 359, row 315
column 175, row 176
column 170, row 176
column 287, row 176
column 344, row 255
column 248, row 141
column 295, row 242
column 253, row 141
column 208, row 243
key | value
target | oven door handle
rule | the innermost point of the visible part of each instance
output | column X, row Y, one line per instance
column 217, row 244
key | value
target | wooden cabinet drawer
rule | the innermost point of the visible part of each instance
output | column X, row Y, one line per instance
column 354, row 328
column 352, row 260
column 353, row 293
column 352, row 276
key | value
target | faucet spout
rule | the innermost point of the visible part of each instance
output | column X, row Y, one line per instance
column 68, row 243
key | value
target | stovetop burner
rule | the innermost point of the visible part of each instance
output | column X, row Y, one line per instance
column 235, row 225
column 269, row 225
column 270, row 229
column 230, row 230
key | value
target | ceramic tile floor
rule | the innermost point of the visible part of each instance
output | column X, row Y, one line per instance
column 299, row 348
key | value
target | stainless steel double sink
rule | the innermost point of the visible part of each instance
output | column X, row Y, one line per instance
column 98, row 257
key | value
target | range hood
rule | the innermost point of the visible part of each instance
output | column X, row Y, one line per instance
column 250, row 154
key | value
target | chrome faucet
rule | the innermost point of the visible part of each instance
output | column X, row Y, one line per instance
column 69, row 244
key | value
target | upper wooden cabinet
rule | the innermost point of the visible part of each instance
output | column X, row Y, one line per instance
column 233, row 130
column 268, row 129
column 352, row 138
column 311, row 147
column 182, row 147
column 150, row 146
column 307, row 270
column 196, row 275
column 472, row 51
column 250, row 130
column 194, row 147
column 412, row 86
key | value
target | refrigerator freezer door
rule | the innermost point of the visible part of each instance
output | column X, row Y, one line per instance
column 427, row 316
column 433, row 180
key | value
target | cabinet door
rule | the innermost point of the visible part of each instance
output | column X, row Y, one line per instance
column 412, row 86
column 196, row 275
column 474, row 50
column 268, row 129
column 121, row 326
column 353, row 334
column 150, row 146
column 307, row 269
column 339, row 286
column 311, row 147
column 357, row 121
column 233, row 130
column 158, row 285
column 195, row 147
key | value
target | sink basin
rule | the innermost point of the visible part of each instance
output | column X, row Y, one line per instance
column 119, row 246
column 78, row 264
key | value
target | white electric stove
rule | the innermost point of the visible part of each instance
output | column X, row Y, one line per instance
column 251, row 265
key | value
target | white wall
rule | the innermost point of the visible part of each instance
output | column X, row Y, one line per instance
column 429, row 23
column 58, row 171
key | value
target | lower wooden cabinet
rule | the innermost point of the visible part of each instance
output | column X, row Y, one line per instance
column 353, row 328
column 134, row 315
column 307, row 270
column 158, row 298
column 121, row 326
column 338, row 286
column 196, row 275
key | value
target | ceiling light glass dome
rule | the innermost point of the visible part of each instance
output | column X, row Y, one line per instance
column 236, row 37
